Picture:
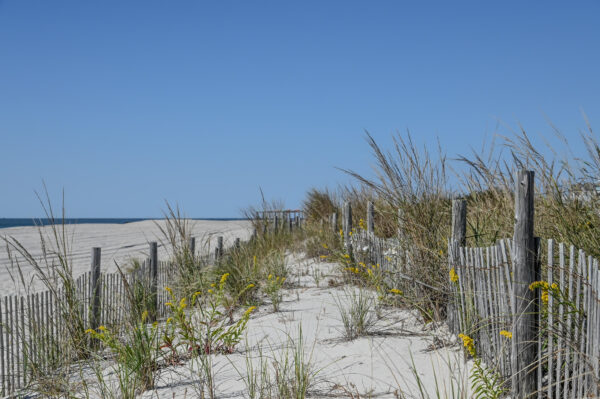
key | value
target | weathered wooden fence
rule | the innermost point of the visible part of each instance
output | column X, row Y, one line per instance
column 538, row 327
column 567, row 328
column 34, row 328
column 279, row 220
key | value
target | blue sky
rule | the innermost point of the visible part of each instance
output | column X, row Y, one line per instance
column 125, row 104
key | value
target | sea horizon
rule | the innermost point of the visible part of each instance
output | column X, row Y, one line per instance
column 24, row 222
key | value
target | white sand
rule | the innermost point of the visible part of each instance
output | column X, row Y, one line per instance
column 119, row 243
column 380, row 365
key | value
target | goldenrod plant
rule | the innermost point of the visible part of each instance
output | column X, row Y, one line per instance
column 135, row 351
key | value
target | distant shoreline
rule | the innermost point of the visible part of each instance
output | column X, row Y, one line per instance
column 24, row 222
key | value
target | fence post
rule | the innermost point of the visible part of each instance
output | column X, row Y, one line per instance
column 237, row 243
column 334, row 222
column 96, row 289
column 276, row 224
column 219, row 249
column 153, row 280
column 400, row 224
column 192, row 246
column 348, row 227
column 524, row 341
column 459, row 221
column 458, row 239
column 370, row 218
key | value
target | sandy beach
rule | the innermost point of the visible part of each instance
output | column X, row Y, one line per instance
column 382, row 364
column 119, row 243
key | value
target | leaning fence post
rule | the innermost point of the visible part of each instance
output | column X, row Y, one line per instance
column 348, row 227
column 370, row 217
column 524, row 341
column 458, row 239
column 153, row 280
column 96, row 289
column 237, row 243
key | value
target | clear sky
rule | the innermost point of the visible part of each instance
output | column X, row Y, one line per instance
column 125, row 104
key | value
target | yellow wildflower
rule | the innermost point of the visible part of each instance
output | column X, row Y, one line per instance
column 506, row 334
column 250, row 286
column 213, row 285
column 325, row 246
column 346, row 256
column 144, row 317
column 270, row 277
column 182, row 303
column 224, row 278
column 210, row 291
column 102, row 328
column 396, row 291
column 538, row 284
column 323, row 256
column 168, row 304
column 341, row 233
column 468, row 343
column 169, row 290
column 89, row 331
column 453, row 275
column 249, row 310
column 169, row 320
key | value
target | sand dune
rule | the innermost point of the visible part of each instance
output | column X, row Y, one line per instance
column 119, row 243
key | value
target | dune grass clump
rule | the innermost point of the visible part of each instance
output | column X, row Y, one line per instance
column 357, row 312
column 290, row 374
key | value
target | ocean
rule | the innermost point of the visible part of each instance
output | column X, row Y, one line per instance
column 18, row 222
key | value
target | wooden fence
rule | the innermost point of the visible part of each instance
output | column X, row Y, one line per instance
column 567, row 331
column 537, row 327
column 34, row 328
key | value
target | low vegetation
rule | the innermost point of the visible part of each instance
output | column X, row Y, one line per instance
column 210, row 300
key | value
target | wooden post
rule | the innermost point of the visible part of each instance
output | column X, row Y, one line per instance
column 400, row 225
column 276, row 224
column 370, row 218
column 524, row 341
column 192, row 245
column 237, row 243
column 219, row 249
column 459, row 222
column 96, row 289
column 334, row 222
column 152, row 313
column 458, row 239
column 348, row 227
